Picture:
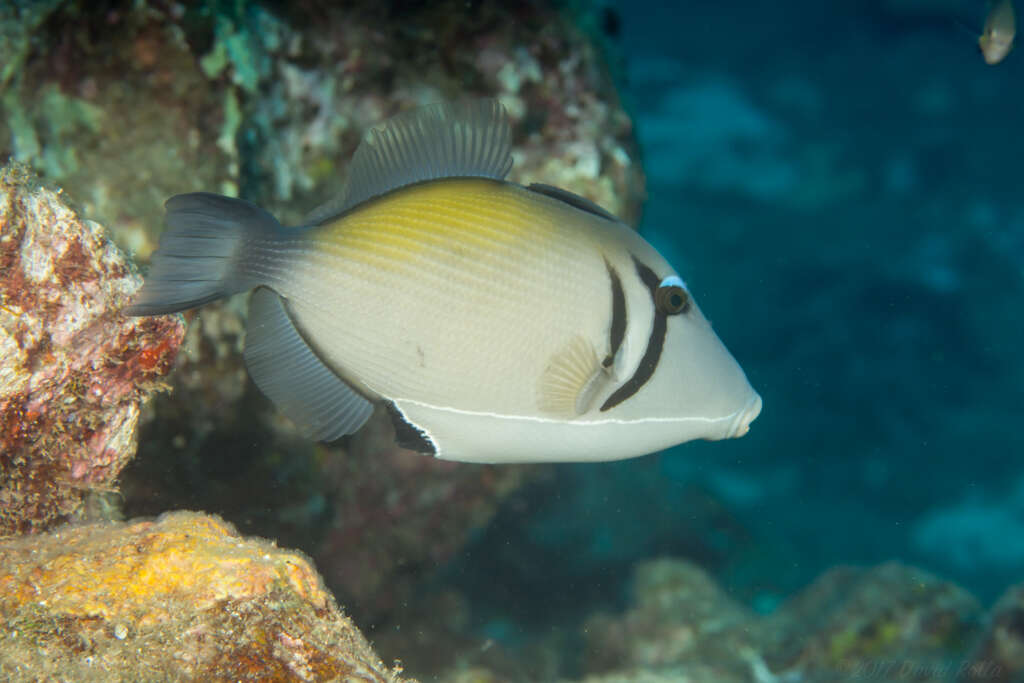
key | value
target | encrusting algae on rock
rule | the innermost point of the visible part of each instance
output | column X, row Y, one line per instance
column 999, row 655
column 74, row 371
column 182, row 595
column 889, row 622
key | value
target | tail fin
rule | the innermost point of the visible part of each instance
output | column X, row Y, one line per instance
column 204, row 254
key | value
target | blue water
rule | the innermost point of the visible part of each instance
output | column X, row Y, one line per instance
column 840, row 185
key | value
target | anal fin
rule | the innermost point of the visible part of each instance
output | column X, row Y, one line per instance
column 289, row 372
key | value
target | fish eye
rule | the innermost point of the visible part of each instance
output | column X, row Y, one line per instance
column 671, row 297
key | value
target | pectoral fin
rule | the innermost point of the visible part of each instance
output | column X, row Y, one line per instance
column 571, row 380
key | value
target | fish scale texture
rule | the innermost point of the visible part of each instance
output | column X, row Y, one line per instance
column 446, row 284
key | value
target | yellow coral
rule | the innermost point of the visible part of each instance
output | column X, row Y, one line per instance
column 180, row 554
column 182, row 593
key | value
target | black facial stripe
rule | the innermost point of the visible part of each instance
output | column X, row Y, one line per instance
column 618, row 329
column 649, row 362
column 647, row 365
column 647, row 275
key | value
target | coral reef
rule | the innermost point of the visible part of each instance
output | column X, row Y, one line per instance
column 98, row 83
column 888, row 622
column 999, row 656
column 182, row 595
column 850, row 623
column 18, row 20
column 73, row 370
column 682, row 621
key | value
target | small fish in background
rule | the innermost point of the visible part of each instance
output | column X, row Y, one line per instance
column 1000, row 29
column 495, row 322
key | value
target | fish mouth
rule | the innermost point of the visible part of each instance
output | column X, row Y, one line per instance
column 741, row 425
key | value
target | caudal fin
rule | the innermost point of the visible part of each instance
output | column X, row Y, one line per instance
column 204, row 255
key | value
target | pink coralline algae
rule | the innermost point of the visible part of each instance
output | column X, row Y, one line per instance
column 73, row 370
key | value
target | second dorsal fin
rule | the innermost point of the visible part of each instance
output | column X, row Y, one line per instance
column 461, row 139
column 572, row 199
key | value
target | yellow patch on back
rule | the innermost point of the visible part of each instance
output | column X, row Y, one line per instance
column 454, row 218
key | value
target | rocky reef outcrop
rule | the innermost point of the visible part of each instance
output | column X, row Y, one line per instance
column 179, row 598
column 74, row 371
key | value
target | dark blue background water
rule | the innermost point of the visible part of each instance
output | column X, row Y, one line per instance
column 840, row 185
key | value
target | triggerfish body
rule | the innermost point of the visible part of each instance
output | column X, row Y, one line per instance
column 495, row 322
column 1000, row 29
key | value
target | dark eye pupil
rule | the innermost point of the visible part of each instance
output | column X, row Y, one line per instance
column 672, row 300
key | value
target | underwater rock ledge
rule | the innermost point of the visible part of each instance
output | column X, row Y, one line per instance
column 888, row 622
column 179, row 598
column 74, row 371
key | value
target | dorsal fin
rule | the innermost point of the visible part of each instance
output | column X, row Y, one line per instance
column 462, row 139
column 572, row 199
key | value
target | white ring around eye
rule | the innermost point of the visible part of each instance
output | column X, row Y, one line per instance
column 674, row 281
